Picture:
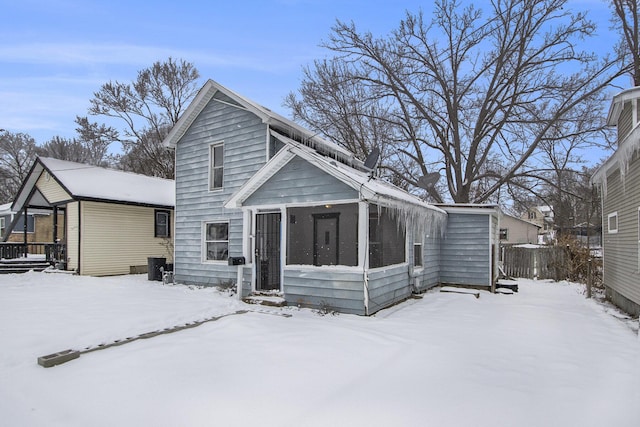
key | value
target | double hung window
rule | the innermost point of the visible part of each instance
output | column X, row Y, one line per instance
column 216, row 241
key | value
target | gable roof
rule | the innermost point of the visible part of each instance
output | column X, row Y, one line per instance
column 272, row 119
column 370, row 189
column 87, row 182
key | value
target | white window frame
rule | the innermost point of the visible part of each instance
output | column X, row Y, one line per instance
column 418, row 239
column 212, row 166
column 611, row 230
column 205, row 241
column 506, row 234
column 2, row 226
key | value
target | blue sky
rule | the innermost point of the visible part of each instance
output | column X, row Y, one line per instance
column 54, row 54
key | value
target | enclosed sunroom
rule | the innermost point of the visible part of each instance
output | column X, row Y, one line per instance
column 323, row 234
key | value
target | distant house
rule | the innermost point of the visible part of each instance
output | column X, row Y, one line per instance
column 618, row 180
column 543, row 217
column 111, row 220
column 38, row 231
column 269, row 205
column 517, row 231
column 7, row 216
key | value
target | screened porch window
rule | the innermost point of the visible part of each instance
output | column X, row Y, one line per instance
column 386, row 239
column 323, row 235
column 216, row 166
column 216, row 241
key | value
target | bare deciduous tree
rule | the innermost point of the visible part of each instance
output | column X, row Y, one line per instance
column 91, row 146
column 148, row 107
column 17, row 153
column 626, row 21
column 473, row 95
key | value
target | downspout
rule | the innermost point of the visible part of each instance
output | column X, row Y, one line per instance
column 363, row 256
column 55, row 235
column 25, row 229
column 79, row 236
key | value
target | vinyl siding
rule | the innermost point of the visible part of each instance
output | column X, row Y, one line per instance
column 625, row 121
column 326, row 288
column 73, row 235
column 245, row 142
column 465, row 250
column 115, row 237
column 299, row 181
column 429, row 275
column 621, row 249
column 51, row 190
column 387, row 286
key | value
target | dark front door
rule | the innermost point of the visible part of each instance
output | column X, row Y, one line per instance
column 325, row 239
column 268, row 251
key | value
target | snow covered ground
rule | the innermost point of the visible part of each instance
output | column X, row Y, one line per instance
column 545, row 356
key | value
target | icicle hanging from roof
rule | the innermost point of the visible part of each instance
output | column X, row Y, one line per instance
column 621, row 159
column 422, row 219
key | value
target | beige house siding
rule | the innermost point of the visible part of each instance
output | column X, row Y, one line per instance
column 621, row 249
column 73, row 235
column 115, row 237
column 518, row 231
column 50, row 189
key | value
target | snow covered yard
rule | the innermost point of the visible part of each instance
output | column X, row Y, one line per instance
column 545, row 356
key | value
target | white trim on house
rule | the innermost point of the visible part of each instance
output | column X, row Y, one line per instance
column 276, row 163
column 374, row 190
column 210, row 88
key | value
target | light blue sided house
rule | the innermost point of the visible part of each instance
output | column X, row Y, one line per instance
column 263, row 202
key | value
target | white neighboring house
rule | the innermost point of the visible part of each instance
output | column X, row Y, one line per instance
column 114, row 221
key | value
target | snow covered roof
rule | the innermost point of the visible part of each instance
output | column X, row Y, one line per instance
column 373, row 190
column 617, row 104
column 471, row 208
column 274, row 120
column 627, row 146
column 86, row 182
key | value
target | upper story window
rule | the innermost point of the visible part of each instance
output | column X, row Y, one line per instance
column 612, row 222
column 216, row 166
column 162, row 224
column 532, row 215
column 2, row 225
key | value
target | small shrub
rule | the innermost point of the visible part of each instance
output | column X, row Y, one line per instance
column 325, row 309
column 228, row 286
column 580, row 263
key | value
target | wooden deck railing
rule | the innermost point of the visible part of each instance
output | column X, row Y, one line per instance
column 52, row 251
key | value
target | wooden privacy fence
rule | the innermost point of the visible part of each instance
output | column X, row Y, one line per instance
column 539, row 262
